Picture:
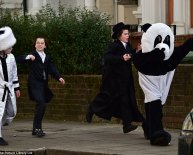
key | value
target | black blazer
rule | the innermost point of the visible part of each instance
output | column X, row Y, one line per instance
column 38, row 77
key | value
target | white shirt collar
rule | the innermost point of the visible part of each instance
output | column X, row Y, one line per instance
column 40, row 52
column 124, row 44
column 42, row 55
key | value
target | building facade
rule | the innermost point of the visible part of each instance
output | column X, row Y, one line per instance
column 172, row 12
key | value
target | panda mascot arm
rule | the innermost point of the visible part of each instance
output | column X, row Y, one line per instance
column 179, row 53
column 148, row 63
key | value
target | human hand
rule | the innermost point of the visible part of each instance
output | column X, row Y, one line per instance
column 138, row 47
column 62, row 81
column 17, row 93
column 126, row 57
column 32, row 57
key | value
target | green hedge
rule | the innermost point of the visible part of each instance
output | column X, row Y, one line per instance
column 77, row 39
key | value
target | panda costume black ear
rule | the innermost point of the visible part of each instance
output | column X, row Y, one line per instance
column 145, row 27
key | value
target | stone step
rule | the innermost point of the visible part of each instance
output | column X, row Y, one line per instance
column 12, row 4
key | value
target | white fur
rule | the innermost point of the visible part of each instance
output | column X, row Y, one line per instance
column 156, row 87
column 148, row 38
column 7, row 39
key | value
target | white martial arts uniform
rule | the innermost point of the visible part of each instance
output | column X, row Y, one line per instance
column 8, row 84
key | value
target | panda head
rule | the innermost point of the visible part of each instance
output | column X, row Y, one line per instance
column 157, row 35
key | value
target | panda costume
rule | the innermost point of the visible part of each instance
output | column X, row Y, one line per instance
column 156, row 63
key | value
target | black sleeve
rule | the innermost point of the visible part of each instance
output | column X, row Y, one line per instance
column 110, row 58
column 179, row 53
column 113, row 56
column 144, row 60
column 21, row 59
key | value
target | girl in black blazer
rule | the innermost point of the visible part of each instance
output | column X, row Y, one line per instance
column 40, row 66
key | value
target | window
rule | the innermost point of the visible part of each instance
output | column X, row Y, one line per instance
column 127, row 2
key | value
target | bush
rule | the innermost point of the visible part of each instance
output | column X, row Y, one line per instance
column 77, row 39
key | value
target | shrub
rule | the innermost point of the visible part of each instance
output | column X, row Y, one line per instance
column 77, row 39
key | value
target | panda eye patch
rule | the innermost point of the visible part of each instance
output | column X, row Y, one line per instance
column 167, row 40
column 158, row 40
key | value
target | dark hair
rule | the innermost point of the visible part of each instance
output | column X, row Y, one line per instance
column 40, row 37
column 120, row 33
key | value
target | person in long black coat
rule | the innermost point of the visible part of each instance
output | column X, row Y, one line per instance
column 117, row 94
column 40, row 66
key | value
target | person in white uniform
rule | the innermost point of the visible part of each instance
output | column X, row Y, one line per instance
column 9, row 84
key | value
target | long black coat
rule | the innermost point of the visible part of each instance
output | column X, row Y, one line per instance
column 117, row 94
column 37, row 84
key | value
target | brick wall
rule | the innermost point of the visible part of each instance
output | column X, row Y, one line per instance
column 71, row 100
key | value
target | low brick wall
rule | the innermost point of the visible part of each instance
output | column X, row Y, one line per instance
column 71, row 100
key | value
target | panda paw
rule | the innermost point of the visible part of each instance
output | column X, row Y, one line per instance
column 160, row 138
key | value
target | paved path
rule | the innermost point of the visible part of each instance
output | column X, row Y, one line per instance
column 73, row 138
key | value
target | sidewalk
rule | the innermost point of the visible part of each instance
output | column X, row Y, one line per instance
column 75, row 138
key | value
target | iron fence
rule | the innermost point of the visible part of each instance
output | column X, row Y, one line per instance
column 138, row 28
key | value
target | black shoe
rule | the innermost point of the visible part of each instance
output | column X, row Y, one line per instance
column 89, row 115
column 3, row 142
column 160, row 138
column 129, row 128
column 38, row 133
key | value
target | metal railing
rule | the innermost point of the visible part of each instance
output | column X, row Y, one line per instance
column 138, row 28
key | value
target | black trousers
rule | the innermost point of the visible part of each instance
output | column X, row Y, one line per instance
column 38, row 115
column 154, row 115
